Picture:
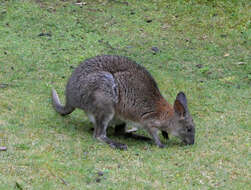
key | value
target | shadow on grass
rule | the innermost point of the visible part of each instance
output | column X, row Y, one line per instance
column 74, row 125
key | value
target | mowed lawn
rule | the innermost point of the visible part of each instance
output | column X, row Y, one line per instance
column 200, row 47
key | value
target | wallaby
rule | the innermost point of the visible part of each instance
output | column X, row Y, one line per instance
column 110, row 87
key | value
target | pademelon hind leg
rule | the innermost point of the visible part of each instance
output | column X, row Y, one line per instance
column 100, row 105
column 101, row 123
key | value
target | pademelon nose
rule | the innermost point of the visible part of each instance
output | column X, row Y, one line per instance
column 192, row 142
column 189, row 141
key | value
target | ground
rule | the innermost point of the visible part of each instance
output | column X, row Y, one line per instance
column 200, row 47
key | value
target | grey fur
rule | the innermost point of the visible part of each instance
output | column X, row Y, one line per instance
column 111, row 87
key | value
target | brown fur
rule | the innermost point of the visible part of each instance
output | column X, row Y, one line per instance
column 114, row 87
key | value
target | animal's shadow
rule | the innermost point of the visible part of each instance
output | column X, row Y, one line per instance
column 84, row 126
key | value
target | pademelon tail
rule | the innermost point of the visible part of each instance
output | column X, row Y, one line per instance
column 62, row 110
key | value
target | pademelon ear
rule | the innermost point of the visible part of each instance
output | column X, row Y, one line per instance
column 180, row 104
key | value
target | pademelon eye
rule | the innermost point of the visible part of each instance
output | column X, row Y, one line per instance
column 189, row 129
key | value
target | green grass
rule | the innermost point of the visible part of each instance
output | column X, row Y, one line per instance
column 204, row 51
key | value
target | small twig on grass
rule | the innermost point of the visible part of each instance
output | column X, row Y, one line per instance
column 120, row 2
column 18, row 186
column 81, row 3
column 45, row 34
column 3, row 148
column 3, row 85
column 107, row 44
column 6, row 85
column 61, row 179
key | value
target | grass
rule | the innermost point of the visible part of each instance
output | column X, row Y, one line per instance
column 204, row 50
